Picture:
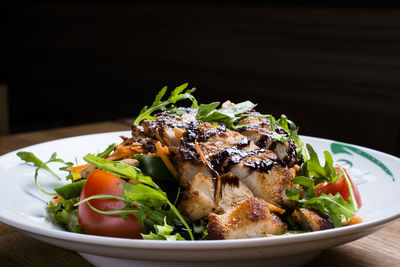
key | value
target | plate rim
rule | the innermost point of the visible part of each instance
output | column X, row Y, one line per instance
column 189, row 245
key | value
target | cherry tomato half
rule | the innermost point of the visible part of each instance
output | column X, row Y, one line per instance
column 340, row 187
column 94, row 223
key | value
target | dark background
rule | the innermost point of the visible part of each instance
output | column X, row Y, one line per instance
column 333, row 68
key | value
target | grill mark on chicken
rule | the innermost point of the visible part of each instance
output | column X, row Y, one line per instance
column 264, row 165
column 259, row 131
column 228, row 157
column 224, row 150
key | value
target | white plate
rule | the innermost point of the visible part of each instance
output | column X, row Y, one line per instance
column 22, row 206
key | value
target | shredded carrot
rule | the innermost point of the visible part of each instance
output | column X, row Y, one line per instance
column 198, row 150
column 79, row 167
column 296, row 214
column 294, row 169
column 163, row 152
column 137, row 149
column 203, row 159
column 354, row 220
column 275, row 209
column 76, row 174
column 121, row 152
column 56, row 199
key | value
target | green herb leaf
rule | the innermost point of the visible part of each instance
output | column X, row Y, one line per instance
column 308, row 186
column 177, row 94
column 71, row 190
column 205, row 110
column 226, row 116
column 139, row 194
column 313, row 168
column 335, row 206
column 29, row 157
column 293, row 194
column 293, row 131
column 119, row 169
column 155, row 168
column 64, row 214
column 145, row 195
column 107, row 151
column 163, row 232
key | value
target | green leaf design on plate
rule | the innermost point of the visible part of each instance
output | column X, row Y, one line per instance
column 338, row 148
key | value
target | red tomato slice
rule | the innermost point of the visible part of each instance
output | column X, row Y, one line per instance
column 94, row 223
column 340, row 187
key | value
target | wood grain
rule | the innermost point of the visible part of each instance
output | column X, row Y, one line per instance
column 379, row 249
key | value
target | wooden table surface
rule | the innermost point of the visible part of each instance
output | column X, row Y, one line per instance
column 379, row 249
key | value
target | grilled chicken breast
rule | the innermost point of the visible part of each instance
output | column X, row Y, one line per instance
column 227, row 175
column 250, row 219
column 259, row 131
column 199, row 196
column 313, row 221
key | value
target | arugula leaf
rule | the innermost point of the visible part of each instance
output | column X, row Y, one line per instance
column 293, row 194
column 290, row 127
column 308, row 186
column 107, row 151
column 313, row 168
column 201, row 230
column 154, row 167
column 177, row 94
column 65, row 214
column 226, row 116
column 312, row 173
column 119, row 169
column 30, row 157
column 145, row 195
column 71, row 190
column 335, row 206
column 205, row 110
column 163, row 232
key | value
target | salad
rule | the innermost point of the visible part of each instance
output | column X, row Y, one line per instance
column 193, row 171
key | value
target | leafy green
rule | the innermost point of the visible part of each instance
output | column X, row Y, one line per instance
column 30, row 157
column 119, row 169
column 311, row 174
column 154, row 167
column 201, row 230
column 65, row 214
column 293, row 131
column 177, row 94
column 163, row 232
column 107, row 151
column 147, row 196
column 308, row 186
column 335, row 206
column 226, row 116
column 313, row 168
column 144, row 194
column 229, row 115
column 293, row 194
column 71, row 190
